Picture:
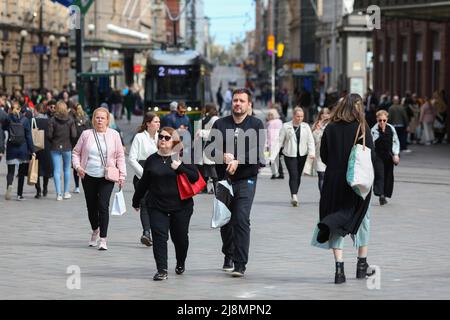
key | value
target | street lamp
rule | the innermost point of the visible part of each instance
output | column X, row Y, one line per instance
column 51, row 40
column 23, row 35
column 62, row 39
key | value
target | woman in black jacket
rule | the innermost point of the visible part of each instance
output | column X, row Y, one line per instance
column 61, row 132
column 167, row 210
column 342, row 211
column 44, row 156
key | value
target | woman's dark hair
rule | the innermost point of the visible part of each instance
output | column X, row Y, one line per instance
column 148, row 117
column 210, row 110
column 349, row 109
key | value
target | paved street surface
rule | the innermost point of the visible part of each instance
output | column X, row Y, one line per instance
column 40, row 239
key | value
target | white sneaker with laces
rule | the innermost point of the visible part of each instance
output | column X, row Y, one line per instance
column 94, row 238
column 67, row 196
column 102, row 245
column 59, row 197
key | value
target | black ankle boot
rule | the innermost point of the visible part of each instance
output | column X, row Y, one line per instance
column 339, row 277
column 361, row 268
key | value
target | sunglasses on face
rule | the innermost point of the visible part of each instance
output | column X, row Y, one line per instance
column 164, row 137
column 382, row 120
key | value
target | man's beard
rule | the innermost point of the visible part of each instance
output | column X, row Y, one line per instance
column 238, row 113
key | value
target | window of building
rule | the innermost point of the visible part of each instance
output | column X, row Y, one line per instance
column 436, row 63
column 419, row 58
column 404, row 65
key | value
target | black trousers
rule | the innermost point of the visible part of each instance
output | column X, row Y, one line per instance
column 144, row 212
column 97, row 192
column 23, row 172
column 402, row 137
column 295, row 168
column 321, row 175
column 44, row 184
column 178, row 225
column 236, row 233
column 384, row 177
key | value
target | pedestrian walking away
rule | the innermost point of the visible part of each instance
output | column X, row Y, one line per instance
column 43, row 156
column 298, row 143
column 144, row 145
column 242, row 169
column 342, row 210
column 61, row 132
column 167, row 211
column 19, row 149
column 274, row 126
column 387, row 149
column 98, row 150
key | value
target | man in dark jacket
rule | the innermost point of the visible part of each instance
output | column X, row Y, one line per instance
column 399, row 119
column 241, row 166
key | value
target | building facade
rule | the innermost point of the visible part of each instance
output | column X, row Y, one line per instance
column 33, row 45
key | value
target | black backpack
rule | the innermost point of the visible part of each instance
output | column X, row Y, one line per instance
column 16, row 133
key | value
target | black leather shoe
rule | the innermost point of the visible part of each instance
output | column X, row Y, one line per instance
column 179, row 269
column 44, row 193
column 339, row 276
column 273, row 177
column 280, row 176
column 227, row 264
column 160, row 275
column 383, row 201
column 38, row 195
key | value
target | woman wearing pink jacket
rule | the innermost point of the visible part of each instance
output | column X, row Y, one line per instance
column 97, row 149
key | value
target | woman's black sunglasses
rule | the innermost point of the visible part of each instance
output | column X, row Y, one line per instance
column 164, row 137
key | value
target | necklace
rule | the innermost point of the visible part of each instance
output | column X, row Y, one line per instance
column 165, row 158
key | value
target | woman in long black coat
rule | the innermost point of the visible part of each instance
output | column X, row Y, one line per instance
column 44, row 157
column 342, row 211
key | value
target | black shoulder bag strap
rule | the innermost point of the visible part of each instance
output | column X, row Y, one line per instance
column 102, row 157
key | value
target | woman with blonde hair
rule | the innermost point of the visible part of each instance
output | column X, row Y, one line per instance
column 99, row 159
column 342, row 211
column 274, row 126
column 19, row 148
column 298, row 143
column 61, row 132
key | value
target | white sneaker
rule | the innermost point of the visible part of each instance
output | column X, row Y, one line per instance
column 8, row 193
column 67, row 195
column 294, row 200
column 76, row 190
column 102, row 245
column 59, row 197
column 94, row 238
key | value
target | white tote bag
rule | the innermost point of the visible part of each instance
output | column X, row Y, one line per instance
column 118, row 207
column 360, row 174
column 222, row 203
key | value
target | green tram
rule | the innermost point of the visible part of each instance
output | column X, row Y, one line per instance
column 177, row 75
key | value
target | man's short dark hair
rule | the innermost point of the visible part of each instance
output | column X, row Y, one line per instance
column 243, row 90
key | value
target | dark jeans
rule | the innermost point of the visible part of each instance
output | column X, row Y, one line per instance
column 295, row 168
column 402, row 136
column 384, row 177
column 76, row 178
column 97, row 192
column 23, row 172
column 144, row 212
column 178, row 224
column 236, row 234
column 321, row 177
column 44, row 184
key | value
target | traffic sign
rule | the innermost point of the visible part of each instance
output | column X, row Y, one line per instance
column 40, row 49
column 271, row 43
column 280, row 50
column 82, row 4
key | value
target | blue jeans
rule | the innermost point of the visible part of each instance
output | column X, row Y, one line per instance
column 56, row 158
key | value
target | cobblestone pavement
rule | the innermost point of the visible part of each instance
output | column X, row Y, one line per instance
column 40, row 239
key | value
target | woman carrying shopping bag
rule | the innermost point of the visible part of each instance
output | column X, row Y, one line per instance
column 99, row 159
column 168, row 212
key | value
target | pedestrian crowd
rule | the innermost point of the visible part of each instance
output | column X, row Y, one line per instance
column 160, row 155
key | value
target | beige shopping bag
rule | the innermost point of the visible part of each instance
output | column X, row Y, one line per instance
column 37, row 135
column 33, row 171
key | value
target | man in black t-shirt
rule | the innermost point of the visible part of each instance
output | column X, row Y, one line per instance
column 238, row 158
